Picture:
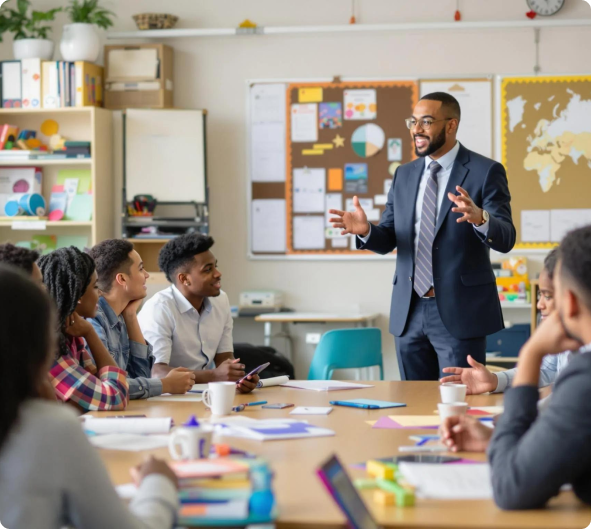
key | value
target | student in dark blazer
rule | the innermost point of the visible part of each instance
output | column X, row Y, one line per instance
column 444, row 213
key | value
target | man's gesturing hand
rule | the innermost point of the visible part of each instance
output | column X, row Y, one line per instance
column 465, row 205
column 354, row 222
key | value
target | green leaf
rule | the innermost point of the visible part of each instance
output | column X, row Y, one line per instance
column 22, row 6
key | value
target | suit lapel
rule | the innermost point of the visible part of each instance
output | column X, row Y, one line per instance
column 414, row 184
column 458, row 174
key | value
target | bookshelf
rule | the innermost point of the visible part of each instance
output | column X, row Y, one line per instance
column 79, row 124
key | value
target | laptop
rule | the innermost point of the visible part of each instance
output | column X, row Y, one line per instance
column 346, row 496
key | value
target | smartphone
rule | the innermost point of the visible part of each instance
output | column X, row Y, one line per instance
column 255, row 371
column 278, row 406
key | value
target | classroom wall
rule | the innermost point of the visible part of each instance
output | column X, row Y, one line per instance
column 211, row 73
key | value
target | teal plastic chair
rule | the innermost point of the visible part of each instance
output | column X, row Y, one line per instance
column 347, row 349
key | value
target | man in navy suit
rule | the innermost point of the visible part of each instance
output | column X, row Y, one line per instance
column 444, row 212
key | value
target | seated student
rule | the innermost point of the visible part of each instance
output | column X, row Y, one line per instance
column 190, row 324
column 84, row 381
column 22, row 258
column 50, row 475
column 478, row 379
column 532, row 456
column 122, row 284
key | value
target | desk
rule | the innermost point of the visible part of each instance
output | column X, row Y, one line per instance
column 285, row 318
column 302, row 500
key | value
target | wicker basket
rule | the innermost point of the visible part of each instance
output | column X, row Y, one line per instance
column 155, row 21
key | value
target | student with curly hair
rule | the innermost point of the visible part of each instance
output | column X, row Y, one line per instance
column 190, row 324
column 22, row 258
column 122, row 284
column 87, row 382
column 50, row 475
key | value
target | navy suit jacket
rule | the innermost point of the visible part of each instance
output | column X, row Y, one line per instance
column 465, row 286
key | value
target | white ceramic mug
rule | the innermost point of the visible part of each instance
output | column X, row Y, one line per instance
column 219, row 397
column 452, row 409
column 451, row 392
column 193, row 440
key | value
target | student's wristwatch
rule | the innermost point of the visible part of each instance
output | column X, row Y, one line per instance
column 485, row 217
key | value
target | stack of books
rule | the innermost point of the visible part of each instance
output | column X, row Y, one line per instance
column 224, row 492
column 34, row 83
column 75, row 149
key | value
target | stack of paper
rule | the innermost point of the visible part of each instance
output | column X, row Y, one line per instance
column 128, row 426
column 449, row 482
column 270, row 429
column 324, row 385
column 129, row 442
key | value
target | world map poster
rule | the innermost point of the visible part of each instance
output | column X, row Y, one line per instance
column 546, row 150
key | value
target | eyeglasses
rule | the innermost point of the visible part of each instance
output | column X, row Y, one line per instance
column 425, row 123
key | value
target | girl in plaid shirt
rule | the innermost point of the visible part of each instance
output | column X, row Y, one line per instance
column 83, row 373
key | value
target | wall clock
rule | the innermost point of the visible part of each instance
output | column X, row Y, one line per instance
column 545, row 7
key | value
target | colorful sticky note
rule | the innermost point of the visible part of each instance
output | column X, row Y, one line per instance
column 310, row 95
column 335, row 179
column 83, row 175
column 323, row 146
column 80, row 209
column 312, row 152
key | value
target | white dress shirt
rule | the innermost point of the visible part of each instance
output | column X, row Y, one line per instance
column 446, row 162
column 180, row 336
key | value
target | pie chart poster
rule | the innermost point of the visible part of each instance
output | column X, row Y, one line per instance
column 365, row 140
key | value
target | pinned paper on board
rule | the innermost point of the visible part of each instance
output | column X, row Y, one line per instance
column 394, row 149
column 340, row 242
column 309, row 189
column 387, row 186
column 304, row 122
column 335, row 179
column 310, row 95
column 268, row 225
column 535, row 225
column 308, row 232
column 356, row 178
column 380, row 200
column 360, row 104
column 365, row 203
column 330, row 115
column 333, row 201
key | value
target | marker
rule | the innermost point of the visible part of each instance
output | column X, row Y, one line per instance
column 258, row 403
column 354, row 405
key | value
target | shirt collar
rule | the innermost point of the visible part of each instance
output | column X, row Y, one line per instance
column 447, row 160
column 112, row 318
column 184, row 305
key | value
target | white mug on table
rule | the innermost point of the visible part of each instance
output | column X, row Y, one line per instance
column 193, row 438
column 219, row 397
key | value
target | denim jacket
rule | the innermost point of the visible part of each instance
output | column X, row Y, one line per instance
column 134, row 357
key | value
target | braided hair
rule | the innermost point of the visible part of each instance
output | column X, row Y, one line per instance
column 66, row 273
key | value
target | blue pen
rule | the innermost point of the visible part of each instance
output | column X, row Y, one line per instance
column 354, row 405
column 256, row 403
column 422, row 442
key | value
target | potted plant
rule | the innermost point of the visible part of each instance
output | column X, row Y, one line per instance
column 30, row 30
column 80, row 40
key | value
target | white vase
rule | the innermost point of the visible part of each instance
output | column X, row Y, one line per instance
column 33, row 49
column 80, row 42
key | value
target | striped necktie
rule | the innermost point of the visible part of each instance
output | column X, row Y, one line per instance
column 424, row 259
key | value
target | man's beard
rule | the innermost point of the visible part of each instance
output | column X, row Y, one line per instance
column 434, row 145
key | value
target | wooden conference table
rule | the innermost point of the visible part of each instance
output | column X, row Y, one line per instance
column 302, row 500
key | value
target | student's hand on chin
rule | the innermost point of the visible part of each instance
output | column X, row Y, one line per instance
column 248, row 384
column 551, row 338
column 77, row 326
column 132, row 308
column 152, row 466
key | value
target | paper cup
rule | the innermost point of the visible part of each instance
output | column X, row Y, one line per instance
column 451, row 392
column 452, row 409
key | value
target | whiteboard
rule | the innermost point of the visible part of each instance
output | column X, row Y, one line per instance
column 165, row 155
column 476, row 101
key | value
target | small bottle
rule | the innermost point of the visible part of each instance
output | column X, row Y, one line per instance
column 262, row 500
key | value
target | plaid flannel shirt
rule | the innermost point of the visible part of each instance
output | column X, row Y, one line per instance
column 75, row 377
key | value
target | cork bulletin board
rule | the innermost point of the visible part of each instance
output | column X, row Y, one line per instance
column 340, row 139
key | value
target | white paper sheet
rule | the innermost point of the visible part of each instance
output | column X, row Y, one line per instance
column 276, row 429
column 360, row 104
column 365, row 203
column 131, row 426
column 309, row 190
column 304, row 122
column 267, row 134
column 340, row 242
column 449, row 482
column 324, row 385
column 535, row 225
column 133, row 64
column 564, row 220
column 167, row 397
column 373, row 215
column 333, row 201
column 268, row 225
column 308, row 233
column 129, row 442
column 380, row 200
column 475, row 98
